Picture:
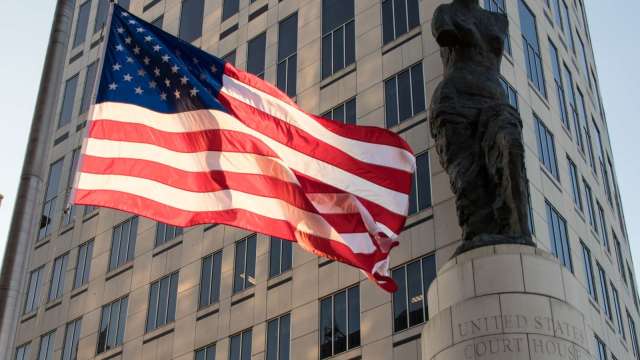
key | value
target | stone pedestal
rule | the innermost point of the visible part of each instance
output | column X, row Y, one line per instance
column 506, row 302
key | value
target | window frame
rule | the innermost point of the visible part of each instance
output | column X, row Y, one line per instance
column 278, row 321
column 58, row 270
column 348, row 346
column 246, row 283
column 215, row 271
column 404, row 295
column 414, row 107
column 118, row 336
column 131, row 243
column 171, row 280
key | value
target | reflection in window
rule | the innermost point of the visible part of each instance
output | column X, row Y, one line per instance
column 340, row 322
column 410, row 302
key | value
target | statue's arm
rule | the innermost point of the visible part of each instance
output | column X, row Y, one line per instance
column 443, row 28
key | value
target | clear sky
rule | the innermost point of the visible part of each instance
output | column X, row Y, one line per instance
column 24, row 32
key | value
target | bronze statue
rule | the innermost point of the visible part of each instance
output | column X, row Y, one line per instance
column 478, row 134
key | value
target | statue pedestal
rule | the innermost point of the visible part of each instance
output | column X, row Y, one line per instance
column 506, row 302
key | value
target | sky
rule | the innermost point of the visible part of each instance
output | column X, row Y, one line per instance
column 24, row 33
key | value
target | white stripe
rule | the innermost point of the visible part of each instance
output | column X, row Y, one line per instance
column 199, row 120
column 203, row 161
column 371, row 153
column 303, row 221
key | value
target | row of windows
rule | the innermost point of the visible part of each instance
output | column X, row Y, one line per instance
column 581, row 192
column 339, row 315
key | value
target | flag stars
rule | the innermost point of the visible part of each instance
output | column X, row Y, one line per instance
column 129, row 59
column 196, row 61
column 146, row 60
column 124, row 14
column 177, row 94
column 147, row 38
column 167, row 82
column 120, row 30
column 132, row 22
column 128, row 40
column 140, row 30
column 119, row 47
column 194, row 92
column 184, row 80
column 152, row 84
column 139, row 90
column 113, row 86
column 116, row 66
column 136, row 50
column 165, row 58
column 141, row 72
column 127, row 77
column 174, row 68
column 156, row 48
column 163, row 96
column 156, row 71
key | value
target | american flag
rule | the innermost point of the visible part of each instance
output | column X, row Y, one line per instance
column 181, row 137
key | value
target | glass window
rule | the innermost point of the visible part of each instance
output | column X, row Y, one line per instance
column 47, row 341
column 566, row 18
column 56, row 285
column 556, row 13
column 573, row 108
column 278, row 338
column 634, row 293
column 618, row 310
column 576, row 192
column 229, row 8
column 559, row 236
column 404, row 95
column 87, row 90
column 166, row 233
column 344, row 113
column 287, row 55
column 410, row 302
column 83, row 265
column 499, row 6
column 604, row 291
column 68, row 99
column 510, row 92
column 338, row 36
column 546, row 148
column 603, row 227
column 583, row 60
column 245, row 264
column 191, row 20
column 533, row 61
column 81, row 23
column 101, row 15
column 633, row 334
column 113, row 320
column 210, row 279
column 619, row 257
column 591, row 210
column 71, row 340
column 240, row 346
column 158, row 22
column 601, row 349
column 70, row 211
column 22, row 352
column 588, row 270
column 340, row 322
column 280, row 256
column 230, row 57
column 398, row 17
column 33, row 290
column 420, row 196
column 582, row 115
column 162, row 302
column 256, row 49
column 557, row 78
column 123, row 243
column 206, row 353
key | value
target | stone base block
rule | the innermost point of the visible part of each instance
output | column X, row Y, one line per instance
column 505, row 302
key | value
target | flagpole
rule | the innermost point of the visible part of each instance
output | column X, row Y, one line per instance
column 94, row 95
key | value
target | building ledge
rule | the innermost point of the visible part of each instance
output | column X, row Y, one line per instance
column 122, row 269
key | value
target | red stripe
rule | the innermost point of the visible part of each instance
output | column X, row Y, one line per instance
column 393, row 221
column 256, row 83
column 368, row 134
column 259, row 185
column 196, row 141
column 306, row 143
column 236, row 217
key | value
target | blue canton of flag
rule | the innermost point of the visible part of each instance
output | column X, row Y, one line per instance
column 146, row 66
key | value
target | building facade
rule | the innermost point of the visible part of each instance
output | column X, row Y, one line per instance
column 104, row 284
